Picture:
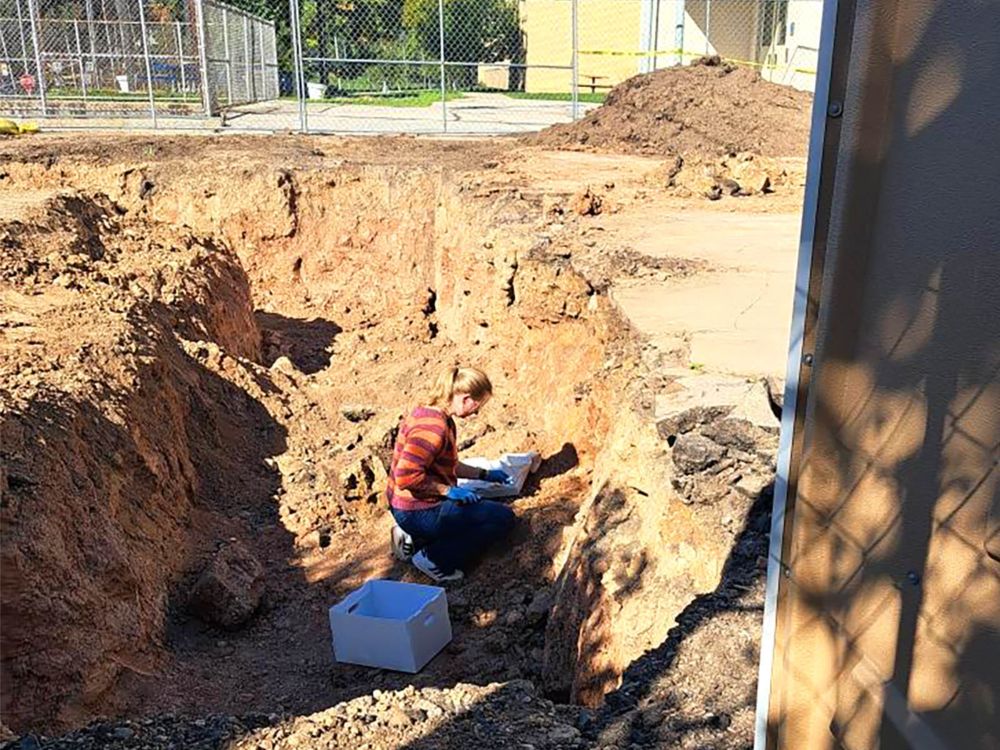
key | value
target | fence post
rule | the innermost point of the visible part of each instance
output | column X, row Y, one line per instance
column 444, row 94
column 229, row 57
column 647, row 30
column 146, row 60
column 575, row 62
column 38, row 54
column 680, row 15
column 90, row 40
column 24, row 41
column 79, row 57
column 708, row 27
column 299, row 62
column 273, row 61
column 260, row 51
column 206, row 92
column 248, row 81
column 180, row 56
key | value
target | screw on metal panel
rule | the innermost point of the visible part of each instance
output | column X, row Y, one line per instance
column 836, row 109
column 808, row 360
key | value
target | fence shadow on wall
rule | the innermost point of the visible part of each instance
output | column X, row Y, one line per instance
column 892, row 599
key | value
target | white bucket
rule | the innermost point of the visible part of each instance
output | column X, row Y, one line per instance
column 122, row 82
column 316, row 90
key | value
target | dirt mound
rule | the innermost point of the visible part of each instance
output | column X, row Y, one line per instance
column 499, row 715
column 704, row 110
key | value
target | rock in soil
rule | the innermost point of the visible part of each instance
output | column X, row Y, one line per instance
column 587, row 203
column 229, row 591
column 356, row 413
column 693, row 452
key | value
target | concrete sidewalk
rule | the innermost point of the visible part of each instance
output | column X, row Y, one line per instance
column 474, row 114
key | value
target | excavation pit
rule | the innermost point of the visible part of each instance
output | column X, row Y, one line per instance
column 219, row 364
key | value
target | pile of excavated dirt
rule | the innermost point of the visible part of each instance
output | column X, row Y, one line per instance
column 201, row 372
column 699, row 112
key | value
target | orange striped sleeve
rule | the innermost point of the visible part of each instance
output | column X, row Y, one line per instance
column 423, row 443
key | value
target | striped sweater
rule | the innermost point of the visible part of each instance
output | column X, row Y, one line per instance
column 424, row 460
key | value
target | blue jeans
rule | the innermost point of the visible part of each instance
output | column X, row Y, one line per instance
column 451, row 534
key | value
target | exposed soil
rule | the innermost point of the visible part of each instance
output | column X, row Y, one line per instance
column 208, row 342
column 699, row 112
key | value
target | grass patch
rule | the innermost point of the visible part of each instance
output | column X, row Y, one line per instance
column 113, row 95
column 416, row 99
column 595, row 98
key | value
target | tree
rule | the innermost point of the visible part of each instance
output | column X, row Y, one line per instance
column 475, row 31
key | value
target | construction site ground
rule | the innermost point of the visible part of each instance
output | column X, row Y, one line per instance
column 205, row 347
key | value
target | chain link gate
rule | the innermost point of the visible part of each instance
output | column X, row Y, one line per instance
column 465, row 67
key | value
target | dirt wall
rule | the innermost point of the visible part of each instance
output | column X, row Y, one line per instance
column 103, row 425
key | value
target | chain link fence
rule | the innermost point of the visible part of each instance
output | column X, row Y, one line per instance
column 413, row 66
column 132, row 59
column 241, row 57
column 780, row 38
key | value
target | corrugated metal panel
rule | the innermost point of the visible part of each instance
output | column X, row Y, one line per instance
column 888, row 630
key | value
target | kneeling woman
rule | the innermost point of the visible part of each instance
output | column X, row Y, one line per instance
column 439, row 525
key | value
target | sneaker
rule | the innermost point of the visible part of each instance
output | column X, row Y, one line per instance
column 403, row 545
column 424, row 565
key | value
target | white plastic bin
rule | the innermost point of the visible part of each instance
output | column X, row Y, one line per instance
column 315, row 90
column 517, row 465
column 122, row 82
column 391, row 625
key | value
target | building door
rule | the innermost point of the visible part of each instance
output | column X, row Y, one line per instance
column 772, row 31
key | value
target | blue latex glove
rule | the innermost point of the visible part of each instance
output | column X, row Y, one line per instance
column 463, row 495
column 498, row 476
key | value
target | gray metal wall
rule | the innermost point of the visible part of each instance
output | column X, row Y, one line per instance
column 888, row 588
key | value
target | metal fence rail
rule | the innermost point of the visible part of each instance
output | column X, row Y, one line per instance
column 456, row 66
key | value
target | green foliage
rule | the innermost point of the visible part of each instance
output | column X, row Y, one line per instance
column 583, row 96
column 357, row 29
column 413, row 98
column 475, row 31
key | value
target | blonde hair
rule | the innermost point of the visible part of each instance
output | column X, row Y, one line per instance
column 466, row 380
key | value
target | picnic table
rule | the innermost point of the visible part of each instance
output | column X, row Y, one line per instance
column 593, row 82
